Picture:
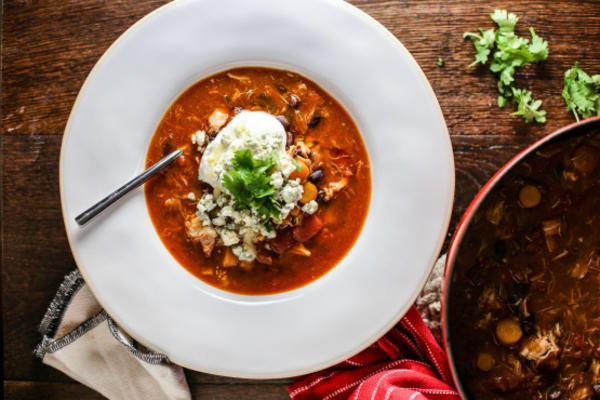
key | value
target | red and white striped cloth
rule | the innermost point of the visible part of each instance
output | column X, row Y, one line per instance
column 405, row 364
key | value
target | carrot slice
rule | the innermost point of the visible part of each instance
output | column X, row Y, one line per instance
column 303, row 173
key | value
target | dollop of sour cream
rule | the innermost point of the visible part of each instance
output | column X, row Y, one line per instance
column 257, row 131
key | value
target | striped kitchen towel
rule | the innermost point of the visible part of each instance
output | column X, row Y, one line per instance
column 405, row 364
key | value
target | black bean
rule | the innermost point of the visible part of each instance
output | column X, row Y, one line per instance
column 281, row 88
column 527, row 324
column 316, row 176
column 293, row 100
column 321, row 196
column 315, row 119
column 513, row 308
column 586, row 365
column 284, row 121
column 550, row 379
column 167, row 149
column 514, row 298
column 500, row 249
column 559, row 168
column 290, row 139
column 522, row 288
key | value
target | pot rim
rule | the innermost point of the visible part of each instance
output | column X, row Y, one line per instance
column 574, row 128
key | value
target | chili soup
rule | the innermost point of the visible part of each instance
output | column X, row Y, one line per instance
column 524, row 314
column 273, row 186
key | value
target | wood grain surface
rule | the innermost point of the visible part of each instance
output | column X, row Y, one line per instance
column 49, row 47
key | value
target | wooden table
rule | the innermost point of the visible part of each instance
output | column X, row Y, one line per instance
column 49, row 47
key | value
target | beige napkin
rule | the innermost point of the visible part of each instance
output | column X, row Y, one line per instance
column 81, row 340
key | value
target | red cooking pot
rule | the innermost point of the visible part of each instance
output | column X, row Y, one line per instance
column 456, row 243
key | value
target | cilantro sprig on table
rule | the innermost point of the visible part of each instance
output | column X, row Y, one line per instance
column 581, row 93
column 508, row 52
column 249, row 183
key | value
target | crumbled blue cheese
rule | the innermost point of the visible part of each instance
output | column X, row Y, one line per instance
column 241, row 228
column 233, row 226
column 246, row 223
column 310, row 207
column 291, row 192
column 289, row 195
column 206, row 203
column 191, row 196
column 222, row 200
column 266, row 233
column 199, row 138
column 229, row 237
column 219, row 221
column 204, row 218
column 245, row 251
column 276, row 180
column 287, row 165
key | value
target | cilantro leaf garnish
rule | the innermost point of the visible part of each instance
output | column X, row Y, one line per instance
column 506, row 21
column 249, row 182
column 483, row 45
column 509, row 52
column 527, row 107
column 501, row 101
column 581, row 92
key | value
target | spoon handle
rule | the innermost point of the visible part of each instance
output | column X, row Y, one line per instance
column 100, row 206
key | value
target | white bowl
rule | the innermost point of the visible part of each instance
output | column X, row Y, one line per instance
column 199, row 326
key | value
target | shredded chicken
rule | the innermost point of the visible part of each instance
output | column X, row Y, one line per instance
column 494, row 214
column 301, row 89
column 595, row 368
column 205, row 235
column 264, row 257
column 217, row 119
column 552, row 228
column 291, row 151
column 512, row 378
column 315, row 157
column 541, row 348
column 582, row 393
column 580, row 270
column 489, row 300
column 302, row 149
column 570, row 176
column 300, row 124
column 300, row 250
column 333, row 188
column 585, row 159
column 484, row 322
column 173, row 204
column 242, row 78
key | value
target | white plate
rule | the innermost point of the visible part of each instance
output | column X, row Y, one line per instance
column 198, row 326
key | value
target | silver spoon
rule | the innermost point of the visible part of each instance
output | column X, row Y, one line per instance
column 100, row 206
